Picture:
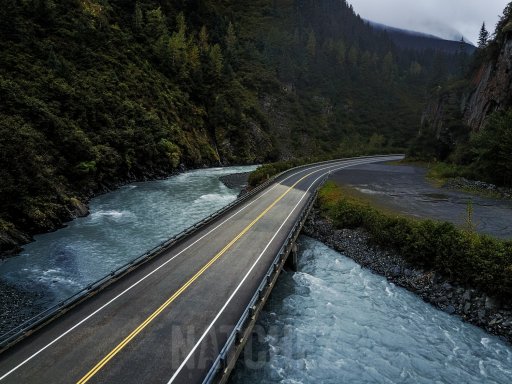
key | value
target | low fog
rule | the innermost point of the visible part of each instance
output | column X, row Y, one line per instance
column 449, row 19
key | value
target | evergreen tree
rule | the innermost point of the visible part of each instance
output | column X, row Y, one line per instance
column 483, row 38
column 138, row 17
column 311, row 44
column 203, row 40
column 230, row 38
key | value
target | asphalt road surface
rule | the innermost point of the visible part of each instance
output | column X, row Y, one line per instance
column 166, row 321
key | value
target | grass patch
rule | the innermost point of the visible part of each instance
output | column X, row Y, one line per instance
column 461, row 254
column 439, row 172
column 263, row 173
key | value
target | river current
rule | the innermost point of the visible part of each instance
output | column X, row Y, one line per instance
column 334, row 322
column 330, row 322
column 122, row 225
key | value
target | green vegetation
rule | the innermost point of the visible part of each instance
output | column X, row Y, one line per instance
column 439, row 172
column 461, row 254
column 263, row 173
column 98, row 92
column 483, row 155
column 445, row 139
column 488, row 153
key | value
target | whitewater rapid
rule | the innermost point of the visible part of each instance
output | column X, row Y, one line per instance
column 122, row 225
column 334, row 322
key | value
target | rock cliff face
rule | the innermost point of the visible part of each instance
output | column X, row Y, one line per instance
column 493, row 88
column 471, row 102
column 463, row 106
column 445, row 109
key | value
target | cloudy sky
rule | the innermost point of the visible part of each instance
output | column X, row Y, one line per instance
column 445, row 18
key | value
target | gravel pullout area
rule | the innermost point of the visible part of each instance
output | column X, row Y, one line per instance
column 470, row 304
column 21, row 306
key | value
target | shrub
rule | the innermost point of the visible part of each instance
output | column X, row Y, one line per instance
column 463, row 255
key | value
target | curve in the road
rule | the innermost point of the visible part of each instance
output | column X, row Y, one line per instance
column 107, row 330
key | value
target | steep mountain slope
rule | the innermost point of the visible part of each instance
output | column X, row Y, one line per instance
column 469, row 122
column 99, row 92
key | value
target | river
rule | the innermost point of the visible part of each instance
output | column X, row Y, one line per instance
column 121, row 226
column 334, row 322
column 330, row 322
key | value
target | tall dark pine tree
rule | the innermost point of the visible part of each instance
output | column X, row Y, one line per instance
column 483, row 38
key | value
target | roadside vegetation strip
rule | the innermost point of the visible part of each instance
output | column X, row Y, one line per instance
column 462, row 254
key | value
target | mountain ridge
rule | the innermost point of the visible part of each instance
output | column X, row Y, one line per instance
column 409, row 39
column 98, row 93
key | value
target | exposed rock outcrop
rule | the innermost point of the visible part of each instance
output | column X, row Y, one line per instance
column 11, row 240
column 493, row 90
column 469, row 103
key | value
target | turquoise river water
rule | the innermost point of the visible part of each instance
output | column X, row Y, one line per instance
column 334, row 322
column 330, row 322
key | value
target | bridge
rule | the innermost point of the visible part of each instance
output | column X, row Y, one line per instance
column 182, row 312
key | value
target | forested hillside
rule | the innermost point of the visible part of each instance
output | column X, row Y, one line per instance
column 94, row 93
column 468, row 121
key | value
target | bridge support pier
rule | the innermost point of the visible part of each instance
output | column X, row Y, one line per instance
column 292, row 260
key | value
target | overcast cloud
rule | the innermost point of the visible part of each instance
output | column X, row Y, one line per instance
column 444, row 18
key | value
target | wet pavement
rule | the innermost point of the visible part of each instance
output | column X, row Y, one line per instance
column 404, row 189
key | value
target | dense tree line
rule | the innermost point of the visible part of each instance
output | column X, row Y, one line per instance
column 97, row 92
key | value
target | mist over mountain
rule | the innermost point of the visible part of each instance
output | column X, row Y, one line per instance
column 421, row 41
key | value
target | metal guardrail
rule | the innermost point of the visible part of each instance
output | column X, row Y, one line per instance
column 231, row 342
column 23, row 329
column 12, row 336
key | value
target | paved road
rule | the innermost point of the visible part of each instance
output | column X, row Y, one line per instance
column 167, row 320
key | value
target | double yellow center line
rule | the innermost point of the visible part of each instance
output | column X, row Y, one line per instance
column 182, row 289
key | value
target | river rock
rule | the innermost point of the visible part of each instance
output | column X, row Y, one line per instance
column 235, row 180
column 450, row 309
column 490, row 303
column 21, row 306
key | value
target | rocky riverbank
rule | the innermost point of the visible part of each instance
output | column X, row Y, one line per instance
column 16, row 306
column 236, row 181
column 478, row 187
column 12, row 238
column 470, row 304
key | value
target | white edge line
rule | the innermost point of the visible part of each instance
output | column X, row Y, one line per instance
column 248, row 273
column 151, row 273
